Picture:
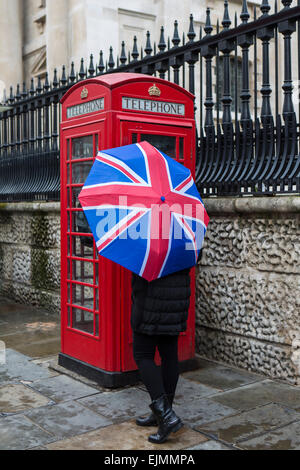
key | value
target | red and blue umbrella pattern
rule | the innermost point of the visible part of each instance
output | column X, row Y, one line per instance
column 144, row 210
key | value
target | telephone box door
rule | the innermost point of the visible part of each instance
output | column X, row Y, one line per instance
column 84, row 330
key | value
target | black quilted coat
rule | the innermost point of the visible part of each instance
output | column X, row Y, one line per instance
column 161, row 307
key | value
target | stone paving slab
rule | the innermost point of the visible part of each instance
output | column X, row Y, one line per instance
column 202, row 411
column 285, row 438
column 67, row 419
column 119, row 406
column 220, row 377
column 15, row 317
column 46, row 362
column 188, row 390
column 19, row 367
column 39, row 348
column 127, row 436
column 38, row 448
column 54, row 368
column 251, row 423
column 15, row 398
column 34, row 342
column 260, row 393
column 29, row 330
column 210, row 445
column 18, row 433
column 63, row 388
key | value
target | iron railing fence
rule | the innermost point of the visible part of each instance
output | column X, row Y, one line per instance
column 249, row 73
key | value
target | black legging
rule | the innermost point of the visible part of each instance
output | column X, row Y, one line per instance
column 157, row 382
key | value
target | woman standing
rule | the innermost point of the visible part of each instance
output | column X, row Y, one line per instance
column 159, row 314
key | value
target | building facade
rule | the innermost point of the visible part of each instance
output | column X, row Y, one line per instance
column 38, row 36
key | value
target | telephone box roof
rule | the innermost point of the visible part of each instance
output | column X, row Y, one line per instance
column 114, row 80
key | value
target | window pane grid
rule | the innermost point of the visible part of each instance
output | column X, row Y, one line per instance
column 82, row 258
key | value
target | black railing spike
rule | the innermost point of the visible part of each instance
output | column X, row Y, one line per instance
column 168, row 43
column 32, row 89
column 148, row 49
column 55, row 82
column 18, row 95
column 24, row 91
column 63, row 80
column 154, row 48
column 265, row 7
column 135, row 52
column 142, row 53
column 183, row 39
column 176, row 38
column 200, row 32
column 11, row 98
column 245, row 13
column 111, row 62
column 226, row 22
column 81, row 71
column 286, row 3
column 208, row 27
column 123, row 57
column 39, row 88
column 46, row 84
column 191, row 34
column 162, row 43
column 72, row 76
column 4, row 99
column 235, row 20
column 91, row 67
column 101, row 66
column 218, row 26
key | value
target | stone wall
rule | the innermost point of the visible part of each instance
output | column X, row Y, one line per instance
column 30, row 253
column 248, row 283
column 248, row 286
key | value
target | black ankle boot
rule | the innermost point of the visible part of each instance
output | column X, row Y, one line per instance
column 147, row 421
column 168, row 421
column 151, row 419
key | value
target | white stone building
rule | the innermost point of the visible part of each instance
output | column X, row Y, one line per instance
column 38, row 35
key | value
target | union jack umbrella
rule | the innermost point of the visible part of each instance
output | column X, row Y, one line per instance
column 144, row 210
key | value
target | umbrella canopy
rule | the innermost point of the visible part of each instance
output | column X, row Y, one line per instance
column 144, row 210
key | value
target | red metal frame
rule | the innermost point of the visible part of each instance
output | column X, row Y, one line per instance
column 108, row 344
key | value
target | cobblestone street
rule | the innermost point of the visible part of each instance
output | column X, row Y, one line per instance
column 43, row 406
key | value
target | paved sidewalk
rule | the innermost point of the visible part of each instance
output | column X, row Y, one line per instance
column 43, row 406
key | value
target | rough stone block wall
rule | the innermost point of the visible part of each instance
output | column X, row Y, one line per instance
column 248, row 286
column 247, row 289
column 30, row 254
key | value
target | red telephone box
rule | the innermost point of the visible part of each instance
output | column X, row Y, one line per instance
column 99, row 113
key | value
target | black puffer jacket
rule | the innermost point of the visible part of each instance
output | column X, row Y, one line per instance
column 161, row 307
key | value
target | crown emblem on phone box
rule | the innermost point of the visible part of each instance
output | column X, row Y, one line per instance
column 84, row 93
column 154, row 91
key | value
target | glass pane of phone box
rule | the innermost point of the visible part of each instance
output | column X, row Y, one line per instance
column 164, row 143
column 82, row 147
